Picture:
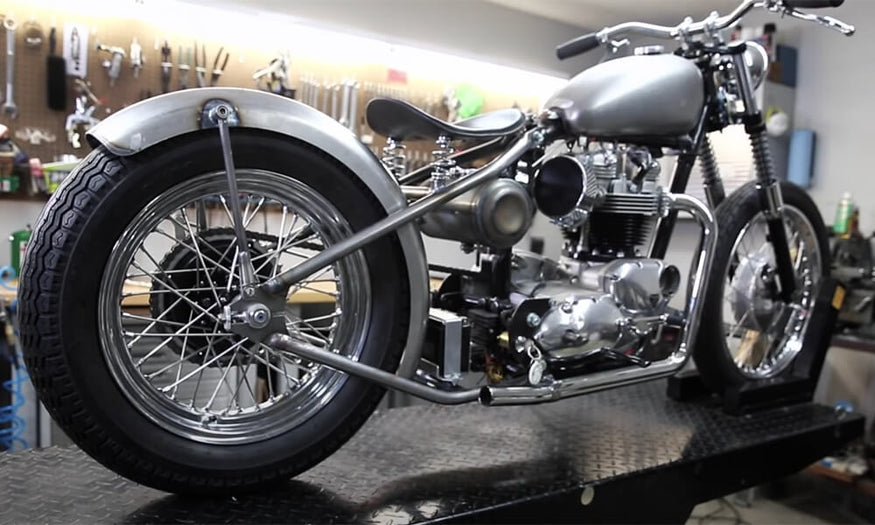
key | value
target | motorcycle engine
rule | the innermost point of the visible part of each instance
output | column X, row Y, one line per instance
column 576, row 309
column 605, row 199
column 604, row 298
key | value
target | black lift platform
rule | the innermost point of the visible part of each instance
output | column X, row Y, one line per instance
column 630, row 454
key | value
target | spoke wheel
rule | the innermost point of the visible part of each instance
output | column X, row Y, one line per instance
column 764, row 333
column 123, row 292
column 747, row 332
column 177, row 363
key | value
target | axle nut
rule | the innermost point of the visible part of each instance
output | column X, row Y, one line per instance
column 258, row 317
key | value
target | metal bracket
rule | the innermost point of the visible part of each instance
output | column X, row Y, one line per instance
column 208, row 120
column 774, row 201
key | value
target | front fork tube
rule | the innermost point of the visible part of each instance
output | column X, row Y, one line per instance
column 769, row 189
column 711, row 179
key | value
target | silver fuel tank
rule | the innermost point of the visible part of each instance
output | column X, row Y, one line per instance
column 649, row 95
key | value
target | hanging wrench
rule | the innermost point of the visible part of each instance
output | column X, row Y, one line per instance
column 346, row 87
column 9, row 106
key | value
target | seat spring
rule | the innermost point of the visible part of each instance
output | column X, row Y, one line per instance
column 394, row 157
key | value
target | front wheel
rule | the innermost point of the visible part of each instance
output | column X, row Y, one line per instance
column 121, row 304
column 747, row 332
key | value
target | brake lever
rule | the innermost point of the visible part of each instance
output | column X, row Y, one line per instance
column 826, row 21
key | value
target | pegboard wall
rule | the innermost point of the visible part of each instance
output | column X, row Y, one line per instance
column 31, row 72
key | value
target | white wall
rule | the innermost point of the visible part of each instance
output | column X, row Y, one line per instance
column 480, row 30
column 833, row 97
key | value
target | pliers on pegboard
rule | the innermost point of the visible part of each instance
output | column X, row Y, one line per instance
column 217, row 71
column 166, row 67
column 200, row 67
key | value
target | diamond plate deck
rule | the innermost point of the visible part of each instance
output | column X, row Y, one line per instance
column 637, row 450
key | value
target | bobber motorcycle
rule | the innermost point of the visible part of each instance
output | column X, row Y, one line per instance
column 167, row 297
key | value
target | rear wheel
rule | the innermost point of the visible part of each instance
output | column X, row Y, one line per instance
column 122, row 293
column 747, row 332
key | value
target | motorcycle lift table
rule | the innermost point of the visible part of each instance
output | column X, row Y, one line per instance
column 630, row 454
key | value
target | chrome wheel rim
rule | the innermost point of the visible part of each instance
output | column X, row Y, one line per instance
column 190, row 375
column 762, row 333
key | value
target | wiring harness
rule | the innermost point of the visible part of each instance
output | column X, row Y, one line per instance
column 12, row 426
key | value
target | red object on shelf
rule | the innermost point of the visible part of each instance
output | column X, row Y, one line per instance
column 396, row 75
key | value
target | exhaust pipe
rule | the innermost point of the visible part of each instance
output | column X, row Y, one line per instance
column 575, row 386
column 557, row 389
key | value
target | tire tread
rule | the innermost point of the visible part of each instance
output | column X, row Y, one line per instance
column 56, row 231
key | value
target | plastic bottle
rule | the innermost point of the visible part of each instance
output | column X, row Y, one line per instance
column 18, row 243
column 842, row 224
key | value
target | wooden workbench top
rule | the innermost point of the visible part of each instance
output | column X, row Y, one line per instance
column 8, row 295
column 137, row 295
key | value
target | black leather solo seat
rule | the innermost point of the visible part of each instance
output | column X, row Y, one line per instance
column 402, row 121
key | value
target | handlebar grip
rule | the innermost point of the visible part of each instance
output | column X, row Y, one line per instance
column 577, row 46
column 812, row 4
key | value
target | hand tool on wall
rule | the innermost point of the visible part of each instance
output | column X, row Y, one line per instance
column 166, row 67
column 306, row 86
column 83, row 112
column 9, row 106
column 76, row 49
column 137, row 60
column 112, row 65
column 345, row 88
column 217, row 71
column 275, row 76
column 354, row 107
column 33, row 34
column 334, row 109
column 325, row 98
column 183, row 67
column 56, row 81
column 200, row 68
column 35, row 136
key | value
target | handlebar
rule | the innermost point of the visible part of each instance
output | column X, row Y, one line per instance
column 578, row 46
column 712, row 24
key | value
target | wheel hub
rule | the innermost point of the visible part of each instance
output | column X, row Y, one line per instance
column 182, row 270
column 754, row 290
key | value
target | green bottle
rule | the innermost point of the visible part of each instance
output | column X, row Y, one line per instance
column 842, row 225
column 18, row 243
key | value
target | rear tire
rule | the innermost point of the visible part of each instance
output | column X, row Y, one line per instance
column 59, row 301
column 740, row 301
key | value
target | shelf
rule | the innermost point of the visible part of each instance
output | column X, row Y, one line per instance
column 24, row 198
column 854, row 342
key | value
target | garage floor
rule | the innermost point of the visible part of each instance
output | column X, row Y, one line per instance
column 798, row 499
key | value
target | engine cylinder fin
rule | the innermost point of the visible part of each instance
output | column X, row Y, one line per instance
column 618, row 232
column 629, row 203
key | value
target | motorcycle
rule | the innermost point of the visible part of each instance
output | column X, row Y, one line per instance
column 219, row 295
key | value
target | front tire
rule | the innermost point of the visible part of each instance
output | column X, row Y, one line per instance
column 746, row 332
column 137, row 410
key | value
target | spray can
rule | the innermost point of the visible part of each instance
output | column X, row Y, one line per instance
column 18, row 244
column 842, row 224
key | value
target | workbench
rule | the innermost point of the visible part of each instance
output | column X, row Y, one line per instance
column 8, row 295
column 629, row 454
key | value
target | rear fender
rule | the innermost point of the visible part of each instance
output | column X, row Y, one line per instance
column 158, row 119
